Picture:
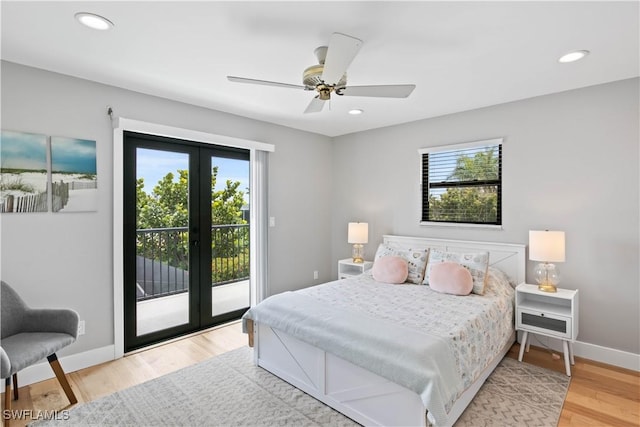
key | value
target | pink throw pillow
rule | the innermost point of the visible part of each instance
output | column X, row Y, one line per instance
column 450, row 278
column 390, row 269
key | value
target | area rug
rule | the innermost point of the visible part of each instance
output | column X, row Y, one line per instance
column 228, row 390
column 517, row 394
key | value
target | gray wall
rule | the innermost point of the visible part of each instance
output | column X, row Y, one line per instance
column 570, row 162
column 66, row 259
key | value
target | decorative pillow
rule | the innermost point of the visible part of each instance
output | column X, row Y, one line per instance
column 477, row 264
column 450, row 278
column 416, row 260
column 390, row 269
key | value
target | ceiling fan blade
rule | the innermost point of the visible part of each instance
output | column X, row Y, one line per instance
column 264, row 82
column 315, row 106
column 382, row 91
column 342, row 49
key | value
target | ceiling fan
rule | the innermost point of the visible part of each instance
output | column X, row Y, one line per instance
column 329, row 75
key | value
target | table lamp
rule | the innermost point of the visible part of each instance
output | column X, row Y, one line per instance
column 358, row 235
column 547, row 247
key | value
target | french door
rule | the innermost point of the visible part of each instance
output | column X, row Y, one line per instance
column 186, row 237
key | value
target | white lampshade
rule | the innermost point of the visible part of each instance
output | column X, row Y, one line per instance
column 547, row 246
column 358, row 232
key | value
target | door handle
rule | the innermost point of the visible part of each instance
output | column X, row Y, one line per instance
column 194, row 233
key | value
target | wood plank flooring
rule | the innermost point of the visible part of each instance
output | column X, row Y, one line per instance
column 599, row 395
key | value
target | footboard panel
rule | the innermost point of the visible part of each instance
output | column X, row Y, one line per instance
column 357, row 393
column 290, row 359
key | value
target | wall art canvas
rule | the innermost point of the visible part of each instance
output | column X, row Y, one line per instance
column 40, row 173
column 74, row 180
column 23, row 172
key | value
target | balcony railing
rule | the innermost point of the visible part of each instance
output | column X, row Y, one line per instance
column 162, row 261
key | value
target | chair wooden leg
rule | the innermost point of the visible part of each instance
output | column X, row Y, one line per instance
column 250, row 331
column 62, row 379
column 6, row 416
column 15, row 386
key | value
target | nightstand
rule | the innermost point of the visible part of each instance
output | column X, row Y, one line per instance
column 348, row 268
column 550, row 314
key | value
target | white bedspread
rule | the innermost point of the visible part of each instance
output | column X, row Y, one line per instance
column 434, row 344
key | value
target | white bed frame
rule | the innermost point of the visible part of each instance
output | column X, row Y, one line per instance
column 357, row 393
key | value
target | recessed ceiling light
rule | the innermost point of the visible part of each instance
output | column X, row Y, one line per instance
column 94, row 21
column 356, row 111
column 573, row 56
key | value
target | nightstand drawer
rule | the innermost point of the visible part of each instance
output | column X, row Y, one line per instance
column 544, row 323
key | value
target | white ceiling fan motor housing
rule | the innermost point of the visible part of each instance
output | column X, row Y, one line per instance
column 312, row 76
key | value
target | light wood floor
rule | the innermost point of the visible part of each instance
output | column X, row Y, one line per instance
column 599, row 395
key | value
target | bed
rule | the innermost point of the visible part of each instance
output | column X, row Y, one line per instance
column 386, row 354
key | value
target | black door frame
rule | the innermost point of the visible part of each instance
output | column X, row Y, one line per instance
column 200, row 254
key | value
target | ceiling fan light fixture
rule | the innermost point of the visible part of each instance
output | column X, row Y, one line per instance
column 330, row 76
column 93, row 21
column 576, row 55
column 356, row 111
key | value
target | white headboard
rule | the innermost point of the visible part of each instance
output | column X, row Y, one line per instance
column 508, row 257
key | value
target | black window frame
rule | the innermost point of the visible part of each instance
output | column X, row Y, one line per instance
column 427, row 186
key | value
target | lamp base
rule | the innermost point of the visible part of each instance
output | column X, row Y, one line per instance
column 547, row 277
column 547, row 287
column 358, row 253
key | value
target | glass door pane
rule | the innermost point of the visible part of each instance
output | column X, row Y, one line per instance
column 185, row 237
column 229, row 235
column 162, row 240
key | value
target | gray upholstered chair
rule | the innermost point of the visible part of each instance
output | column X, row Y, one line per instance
column 29, row 335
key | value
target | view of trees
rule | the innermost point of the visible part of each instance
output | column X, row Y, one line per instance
column 472, row 202
column 166, row 208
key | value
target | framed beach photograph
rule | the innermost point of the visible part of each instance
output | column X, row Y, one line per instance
column 23, row 172
column 74, row 179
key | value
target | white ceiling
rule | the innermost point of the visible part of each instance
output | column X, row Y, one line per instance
column 460, row 55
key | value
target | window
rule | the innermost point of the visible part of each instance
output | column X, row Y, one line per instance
column 462, row 184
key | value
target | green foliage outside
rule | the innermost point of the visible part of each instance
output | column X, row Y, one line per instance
column 469, row 204
column 167, row 207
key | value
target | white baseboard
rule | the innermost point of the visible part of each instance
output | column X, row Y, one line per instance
column 42, row 371
column 610, row 356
